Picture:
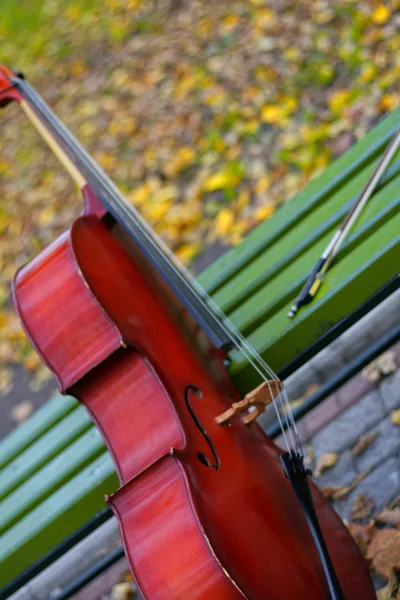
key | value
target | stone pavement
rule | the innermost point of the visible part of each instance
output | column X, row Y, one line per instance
column 340, row 422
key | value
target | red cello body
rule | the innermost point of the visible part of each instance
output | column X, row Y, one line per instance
column 201, row 516
column 205, row 511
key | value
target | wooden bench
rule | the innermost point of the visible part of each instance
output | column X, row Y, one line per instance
column 55, row 470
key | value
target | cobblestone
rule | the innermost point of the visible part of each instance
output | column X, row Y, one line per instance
column 386, row 444
column 382, row 485
column 346, row 429
column 390, row 391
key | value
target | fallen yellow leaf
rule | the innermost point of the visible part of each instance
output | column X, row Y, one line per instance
column 339, row 100
column 122, row 591
column 336, row 492
column 389, row 102
column 272, row 113
column 187, row 252
column 22, row 411
column 264, row 212
column 325, row 461
column 181, row 159
column 6, row 380
column 380, row 15
column 221, row 180
column 229, row 23
column 395, row 416
column 262, row 184
column 224, row 221
column 243, row 199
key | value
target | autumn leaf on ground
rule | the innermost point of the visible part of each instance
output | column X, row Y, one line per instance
column 41, row 376
column 339, row 100
column 309, row 457
column 380, row 14
column 311, row 389
column 363, row 443
column 391, row 517
column 336, row 492
column 325, row 461
column 384, row 552
column 122, row 591
column 386, row 592
column 264, row 212
column 383, row 365
column 6, row 380
column 395, row 416
column 361, row 507
column 22, row 411
column 362, row 535
column 224, row 221
column 293, row 405
column 228, row 177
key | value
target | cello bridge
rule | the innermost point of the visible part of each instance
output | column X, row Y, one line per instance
column 257, row 400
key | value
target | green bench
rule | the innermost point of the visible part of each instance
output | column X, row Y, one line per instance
column 55, row 470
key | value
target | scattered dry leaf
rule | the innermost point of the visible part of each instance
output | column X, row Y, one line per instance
column 391, row 517
column 22, row 411
column 40, row 378
column 309, row 457
column 325, row 461
column 293, row 404
column 311, row 389
column 381, row 14
column 386, row 592
column 6, row 380
column 336, row 492
column 384, row 552
column 395, row 416
column 383, row 365
column 363, row 443
column 362, row 535
column 361, row 507
column 122, row 591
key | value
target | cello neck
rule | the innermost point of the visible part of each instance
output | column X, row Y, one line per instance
column 85, row 171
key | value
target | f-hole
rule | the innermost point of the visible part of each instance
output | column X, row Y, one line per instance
column 205, row 460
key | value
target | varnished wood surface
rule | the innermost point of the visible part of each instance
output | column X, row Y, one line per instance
column 244, row 512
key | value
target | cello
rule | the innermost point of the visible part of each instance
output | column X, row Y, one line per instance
column 208, row 507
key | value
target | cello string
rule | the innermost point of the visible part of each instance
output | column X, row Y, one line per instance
column 239, row 341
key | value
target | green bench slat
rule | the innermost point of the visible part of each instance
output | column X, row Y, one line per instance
column 361, row 273
column 41, row 451
column 50, row 477
column 44, row 418
column 337, row 174
column 60, row 514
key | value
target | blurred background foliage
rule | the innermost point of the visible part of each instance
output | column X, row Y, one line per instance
column 207, row 115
